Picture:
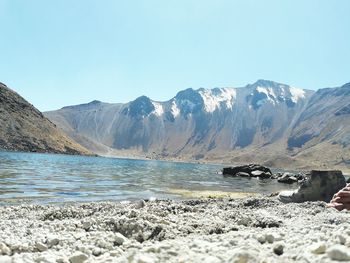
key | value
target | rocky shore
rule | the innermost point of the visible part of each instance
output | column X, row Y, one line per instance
column 202, row 230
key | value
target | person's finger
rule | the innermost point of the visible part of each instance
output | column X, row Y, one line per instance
column 335, row 200
column 343, row 193
column 334, row 204
column 343, row 199
column 339, row 207
column 347, row 188
column 332, row 200
column 347, row 206
column 330, row 205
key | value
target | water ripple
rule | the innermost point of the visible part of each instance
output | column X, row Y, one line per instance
column 46, row 178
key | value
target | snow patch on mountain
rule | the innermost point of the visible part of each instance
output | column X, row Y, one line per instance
column 158, row 108
column 174, row 109
column 268, row 91
column 296, row 94
column 262, row 95
column 187, row 106
column 215, row 97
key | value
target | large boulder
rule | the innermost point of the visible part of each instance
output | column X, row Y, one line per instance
column 253, row 170
column 317, row 186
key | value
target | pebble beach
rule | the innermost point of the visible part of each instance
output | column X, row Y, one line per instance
column 253, row 229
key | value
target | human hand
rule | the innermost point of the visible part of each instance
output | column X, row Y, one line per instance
column 341, row 200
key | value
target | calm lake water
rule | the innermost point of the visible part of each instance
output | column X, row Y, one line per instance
column 46, row 178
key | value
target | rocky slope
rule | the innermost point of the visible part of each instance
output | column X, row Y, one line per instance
column 264, row 122
column 24, row 128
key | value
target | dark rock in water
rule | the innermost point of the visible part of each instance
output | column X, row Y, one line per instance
column 317, row 186
column 243, row 174
column 287, row 178
column 300, row 176
column 276, row 175
column 260, row 174
column 253, row 170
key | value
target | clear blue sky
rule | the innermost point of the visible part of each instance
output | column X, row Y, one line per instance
column 64, row 52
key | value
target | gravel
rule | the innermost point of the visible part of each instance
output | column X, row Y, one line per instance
column 201, row 230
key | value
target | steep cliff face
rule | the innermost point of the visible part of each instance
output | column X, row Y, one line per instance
column 322, row 132
column 24, row 128
column 326, row 116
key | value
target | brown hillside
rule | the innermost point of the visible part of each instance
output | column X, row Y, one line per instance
column 24, row 128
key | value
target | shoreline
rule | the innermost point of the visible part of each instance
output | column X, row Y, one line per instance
column 197, row 230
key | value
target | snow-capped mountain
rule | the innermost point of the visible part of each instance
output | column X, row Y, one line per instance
column 260, row 121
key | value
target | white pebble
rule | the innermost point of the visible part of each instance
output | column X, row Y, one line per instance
column 270, row 238
column 261, row 239
column 115, row 253
column 119, row 239
column 5, row 259
column 241, row 257
column 41, row 247
column 96, row 252
column 78, row 258
column 86, row 225
column 140, row 204
column 4, row 250
column 318, row 248
column 342, row 239
column 52, row 241
column 339, row 252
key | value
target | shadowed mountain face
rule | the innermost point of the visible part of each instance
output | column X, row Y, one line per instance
column 265, row 122
column 326, row 118
column 323, row 129
column 24, row 128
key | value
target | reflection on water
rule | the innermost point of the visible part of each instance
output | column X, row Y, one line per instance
column 44, row 178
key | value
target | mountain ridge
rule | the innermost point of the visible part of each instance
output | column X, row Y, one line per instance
column 253, row 123
column 266, row 122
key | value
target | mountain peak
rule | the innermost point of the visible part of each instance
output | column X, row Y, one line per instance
column 347, row 85
column 140, row 107
column 94, row 102
column 267, row 83
column 271, row 92
column 89, row 105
